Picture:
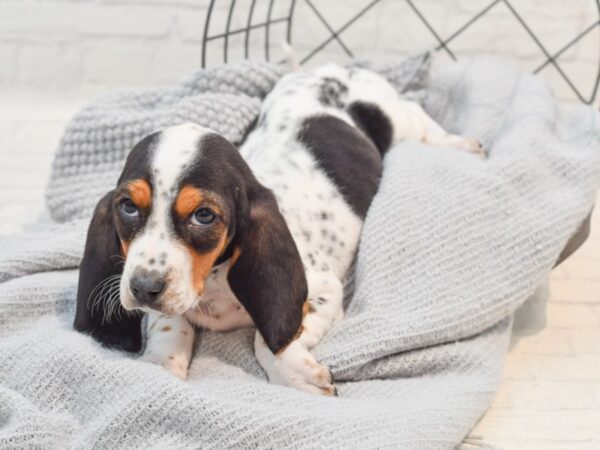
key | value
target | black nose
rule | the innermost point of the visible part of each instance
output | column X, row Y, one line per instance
column 147, row 287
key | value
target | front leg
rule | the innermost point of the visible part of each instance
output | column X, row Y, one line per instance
column 295, row 365
column 169, row 343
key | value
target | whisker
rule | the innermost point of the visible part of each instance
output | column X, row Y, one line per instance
column 112, row 308
column 107, row 310
column 120, row 259
column 115, row 302
column 104, row 297
column 102, row 282
column 99, row 289
column 106, row 289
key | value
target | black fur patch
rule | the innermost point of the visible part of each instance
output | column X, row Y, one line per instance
column 268, row 278
column 348, row 158
column 137, row 165
column 101, row 260
column 374, row 123
column 332, row 93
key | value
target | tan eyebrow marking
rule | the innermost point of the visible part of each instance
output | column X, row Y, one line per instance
column 190, row 197
column 188, row 200
column 140, row 193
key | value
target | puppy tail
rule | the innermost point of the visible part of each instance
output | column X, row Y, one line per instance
column 290, row 56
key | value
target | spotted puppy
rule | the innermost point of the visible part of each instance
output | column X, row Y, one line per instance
column 199, row 234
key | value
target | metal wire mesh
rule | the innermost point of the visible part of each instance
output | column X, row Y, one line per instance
column 221, row 42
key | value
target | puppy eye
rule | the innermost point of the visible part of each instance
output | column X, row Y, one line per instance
column 128, row 209
column 203, row 216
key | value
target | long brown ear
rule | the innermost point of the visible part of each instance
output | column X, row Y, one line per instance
column 267, row 275
column 99, row 311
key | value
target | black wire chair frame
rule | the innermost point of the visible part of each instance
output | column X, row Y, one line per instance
column 551, row 59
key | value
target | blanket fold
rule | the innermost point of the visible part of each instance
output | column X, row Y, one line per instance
column 451, row 247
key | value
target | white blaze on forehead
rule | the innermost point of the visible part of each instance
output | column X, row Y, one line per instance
column 175, row 150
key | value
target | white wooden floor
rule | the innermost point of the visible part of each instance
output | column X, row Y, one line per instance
column 550, row 396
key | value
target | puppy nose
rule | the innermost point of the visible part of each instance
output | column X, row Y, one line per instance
column 147, row 287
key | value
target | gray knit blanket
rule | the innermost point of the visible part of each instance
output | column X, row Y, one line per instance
column 452, row 245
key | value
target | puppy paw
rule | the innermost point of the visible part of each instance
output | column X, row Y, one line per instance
column 473, row 146
column 176, row 364
column 462, row 143
column 298, row 368
column 468, row 145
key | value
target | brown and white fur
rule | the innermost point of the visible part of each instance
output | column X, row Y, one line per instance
column 219, row 238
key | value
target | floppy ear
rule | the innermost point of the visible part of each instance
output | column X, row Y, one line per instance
column 267, row 275
column 98, row 313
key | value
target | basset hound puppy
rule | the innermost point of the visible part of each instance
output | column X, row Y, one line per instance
column 200, row 234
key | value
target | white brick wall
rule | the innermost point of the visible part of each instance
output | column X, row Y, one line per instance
column 98, row 45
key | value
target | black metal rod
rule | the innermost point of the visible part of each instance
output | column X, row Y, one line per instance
column 243, row 30
column 248, row 25
column 268, row 29
column 289, row 21
column 543, row 49
column 567, row 46
column 595, row 90
column 204, row 38
column 227, row 26
column 551, row 59
column 468, row 24
column 339, row 31
column 329, row 28
column 430, row 28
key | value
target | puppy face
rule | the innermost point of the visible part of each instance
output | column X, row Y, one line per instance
column 186, row 201
column 174, row 212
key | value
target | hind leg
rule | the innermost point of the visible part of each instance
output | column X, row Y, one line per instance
column 407, row 119
column 430, row 132
column 295, row 365
column 410, row 122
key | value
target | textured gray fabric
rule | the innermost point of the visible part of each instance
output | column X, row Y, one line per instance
column 452, row 245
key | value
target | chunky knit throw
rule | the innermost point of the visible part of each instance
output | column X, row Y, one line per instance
column 452, row 245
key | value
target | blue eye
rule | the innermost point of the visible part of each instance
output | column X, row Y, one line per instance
column 128, row 209
column 203, row 216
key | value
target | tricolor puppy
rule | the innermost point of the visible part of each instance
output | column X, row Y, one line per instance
column 200, row 234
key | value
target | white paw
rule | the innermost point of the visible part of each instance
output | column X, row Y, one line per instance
column 298, row 368
column 472, row 146
column 461, row 143
column 176, row 364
